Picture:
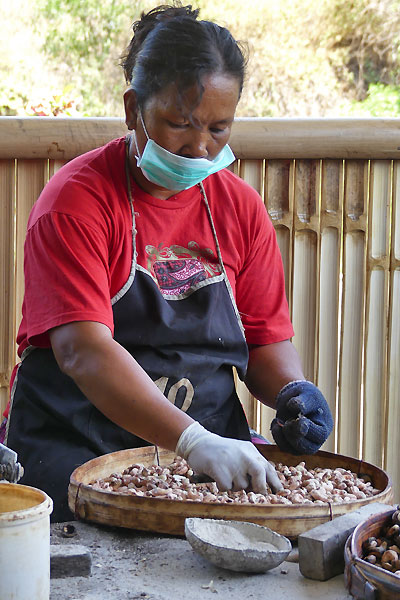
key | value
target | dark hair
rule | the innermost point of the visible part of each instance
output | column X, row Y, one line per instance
column 170, row 45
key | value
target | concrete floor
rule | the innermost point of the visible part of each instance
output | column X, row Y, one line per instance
column 130, row 565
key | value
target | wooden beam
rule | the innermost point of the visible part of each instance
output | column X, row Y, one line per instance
column 252, row 138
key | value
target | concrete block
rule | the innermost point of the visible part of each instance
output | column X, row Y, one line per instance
column 321, row 550
column 69, row 560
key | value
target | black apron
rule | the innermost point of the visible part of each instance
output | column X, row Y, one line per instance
column 187, row 343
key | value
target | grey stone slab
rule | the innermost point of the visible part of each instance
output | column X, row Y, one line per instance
column 70, row 560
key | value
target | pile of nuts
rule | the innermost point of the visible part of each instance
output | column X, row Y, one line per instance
column 300, row 485
column 384, row 551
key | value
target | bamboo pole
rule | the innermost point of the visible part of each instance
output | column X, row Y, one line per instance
column 252, row 171
column 278, row 198
column 392, row 422
column 316, row 138
column 7, row 277
column 353, row 303
column 252, row 138
column 331, row 229
column 377, row 306
column 306, row 262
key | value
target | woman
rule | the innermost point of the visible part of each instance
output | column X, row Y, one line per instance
column 135, row 254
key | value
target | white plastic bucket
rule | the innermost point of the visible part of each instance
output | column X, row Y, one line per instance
column 24, row 542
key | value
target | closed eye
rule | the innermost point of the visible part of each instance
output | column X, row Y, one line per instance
column 217, row 130
column 178, row 125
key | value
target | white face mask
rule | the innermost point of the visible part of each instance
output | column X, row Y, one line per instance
column 175, row 172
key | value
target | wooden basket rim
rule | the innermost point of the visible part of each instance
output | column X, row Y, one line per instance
column 75, row 482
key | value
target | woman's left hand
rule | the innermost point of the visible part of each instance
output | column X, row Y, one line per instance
column 303, row 419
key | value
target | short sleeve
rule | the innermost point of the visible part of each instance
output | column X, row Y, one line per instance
column 260, row 285
column 67, row 276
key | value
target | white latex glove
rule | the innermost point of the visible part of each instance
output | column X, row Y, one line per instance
column 232, row 464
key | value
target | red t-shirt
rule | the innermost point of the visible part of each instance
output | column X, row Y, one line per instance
column 78, row 249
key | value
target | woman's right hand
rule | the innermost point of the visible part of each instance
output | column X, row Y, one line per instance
column 232, row 464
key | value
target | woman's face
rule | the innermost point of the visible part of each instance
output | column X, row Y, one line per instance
column 166, row 118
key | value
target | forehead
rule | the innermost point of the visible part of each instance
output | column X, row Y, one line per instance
column 217, row 102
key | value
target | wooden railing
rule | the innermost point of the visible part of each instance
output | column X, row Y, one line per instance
column 332, row 189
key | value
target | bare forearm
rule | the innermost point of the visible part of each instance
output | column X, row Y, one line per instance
column 270, row 368
column 116, row 384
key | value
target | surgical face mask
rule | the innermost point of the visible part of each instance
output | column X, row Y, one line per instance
column 175, row 172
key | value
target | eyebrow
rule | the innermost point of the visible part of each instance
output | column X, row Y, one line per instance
column 219, row 122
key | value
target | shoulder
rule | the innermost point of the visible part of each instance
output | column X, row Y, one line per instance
column 230, row 195
column 87, row 182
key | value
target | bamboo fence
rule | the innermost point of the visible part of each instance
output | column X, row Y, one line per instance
column 332, row 190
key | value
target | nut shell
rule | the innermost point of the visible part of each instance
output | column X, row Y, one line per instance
column 396, row 517
column 393, row 530
column 389, row 556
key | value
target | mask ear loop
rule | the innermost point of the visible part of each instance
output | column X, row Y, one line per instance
column 144, row 126
column 137, row 156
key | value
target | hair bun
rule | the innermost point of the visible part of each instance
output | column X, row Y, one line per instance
column 143, row 26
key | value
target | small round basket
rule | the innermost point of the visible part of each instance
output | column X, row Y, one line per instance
column 366, row 581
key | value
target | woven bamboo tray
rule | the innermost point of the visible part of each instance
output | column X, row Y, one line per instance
column 363, row 580
column 168, row 516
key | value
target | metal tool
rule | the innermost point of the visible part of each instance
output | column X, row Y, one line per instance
column 10, row 469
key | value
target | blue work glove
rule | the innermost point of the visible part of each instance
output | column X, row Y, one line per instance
column 303, row 419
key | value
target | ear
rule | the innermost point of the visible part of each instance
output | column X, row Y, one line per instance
column 131, row 108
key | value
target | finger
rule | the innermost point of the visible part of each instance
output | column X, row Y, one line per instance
column 222, row 477
column 256, row 466
column 258, row 478
column 303, row 427
column 273, row 479
column 240, row 482
column 270, row 474
column 297, row 431
column 295, row 428
column 317, row 433
column 295, row 406
column 280, row 439
column 261, row 472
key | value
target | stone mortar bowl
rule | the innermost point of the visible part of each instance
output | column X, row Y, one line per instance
column 237, row 545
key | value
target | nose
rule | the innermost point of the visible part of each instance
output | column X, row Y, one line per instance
column 196, row 145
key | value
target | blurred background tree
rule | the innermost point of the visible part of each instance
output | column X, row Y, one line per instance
column 306, row 58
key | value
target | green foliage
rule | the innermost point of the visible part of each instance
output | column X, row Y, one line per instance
column 381, row 101
column 81, row 29
column 306, row 58
column 363, row 38
column 85, row 38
